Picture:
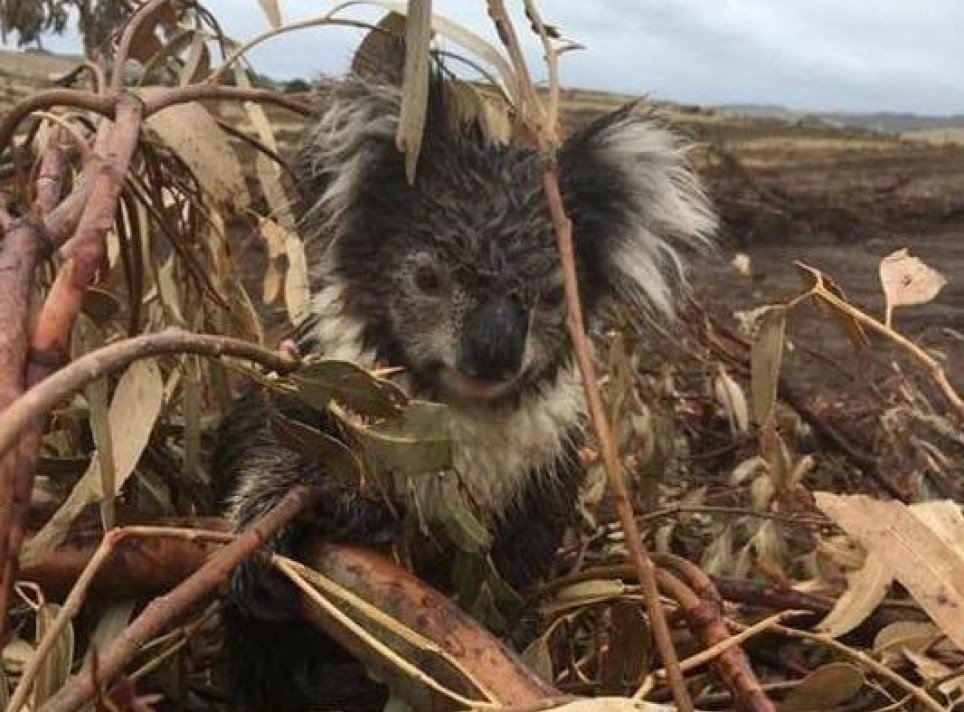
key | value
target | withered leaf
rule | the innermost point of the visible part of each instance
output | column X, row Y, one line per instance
column 415, row 83
column 319, row 382
column 417, row 442
column 55, row 669
column 910, row 549
column 826, row 688
column 133, row 411
column 272, row 11
column 332, row 456
column 907, row 281
column 765, row 359
column 193, row 134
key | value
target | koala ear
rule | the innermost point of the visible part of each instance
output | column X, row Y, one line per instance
column 634, row 201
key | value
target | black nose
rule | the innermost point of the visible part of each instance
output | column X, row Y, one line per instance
column 493, row 339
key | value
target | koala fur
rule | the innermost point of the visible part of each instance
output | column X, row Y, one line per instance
column 456, row 279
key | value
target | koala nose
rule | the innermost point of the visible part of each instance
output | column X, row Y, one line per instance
column 493, row 340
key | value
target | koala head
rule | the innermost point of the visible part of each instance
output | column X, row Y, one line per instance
column 456, row 276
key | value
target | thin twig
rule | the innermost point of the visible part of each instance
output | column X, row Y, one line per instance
column 932, row 365
column 196, row 92
column 634, row 541
column 292, row 572
column 873, row 665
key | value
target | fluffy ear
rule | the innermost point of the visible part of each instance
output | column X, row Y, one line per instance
column 634, row 202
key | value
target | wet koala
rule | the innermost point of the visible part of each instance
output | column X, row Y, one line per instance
column 456, row 279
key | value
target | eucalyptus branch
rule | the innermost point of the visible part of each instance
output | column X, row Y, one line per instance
column 127, row 38
column 933, row 367
column 161, row 611
column 102, row 104
column 196, row 92
column 597, row 412
column 45, row 395
column 78, row 593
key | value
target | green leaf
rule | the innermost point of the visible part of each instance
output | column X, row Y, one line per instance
column 339, row 461
column 416, row 443
column 320, row 382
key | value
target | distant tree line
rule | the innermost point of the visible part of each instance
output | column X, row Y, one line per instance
column 28, row 21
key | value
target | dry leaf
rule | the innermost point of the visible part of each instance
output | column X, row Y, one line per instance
column 55, row 669
column 730, row 396
column 866, row 588
column 133, row 411
column 272, row 11
column 741, row 263
column 192, row 133
column 826, row 688
column 909, row 550
column 907, row 281
column 415, row 84
column 765, row 359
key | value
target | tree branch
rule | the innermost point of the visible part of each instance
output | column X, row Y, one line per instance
column 37, row 401
column 161, row 611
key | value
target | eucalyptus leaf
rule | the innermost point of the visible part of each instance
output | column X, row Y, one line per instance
column 320, row 382
column 416, row 443
column 338, row 461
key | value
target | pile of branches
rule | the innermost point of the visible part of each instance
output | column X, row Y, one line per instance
column 124, row 327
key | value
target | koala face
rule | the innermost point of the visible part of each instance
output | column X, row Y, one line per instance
column 467, row 294
column 456, row 276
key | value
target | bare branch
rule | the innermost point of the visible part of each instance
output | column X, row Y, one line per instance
column 161, row 611
column 45, row 395
column 41, row 101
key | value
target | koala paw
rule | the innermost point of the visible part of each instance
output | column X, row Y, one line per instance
column 259, row 591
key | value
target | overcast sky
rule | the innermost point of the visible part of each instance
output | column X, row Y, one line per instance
column 853, row 55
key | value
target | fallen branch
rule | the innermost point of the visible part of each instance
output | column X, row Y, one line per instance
column 161, row 611
column 405, row 598
column 703, row 607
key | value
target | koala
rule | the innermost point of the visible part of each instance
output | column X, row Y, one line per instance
column 456, row 279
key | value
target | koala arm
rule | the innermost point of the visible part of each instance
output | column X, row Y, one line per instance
column 253, row 471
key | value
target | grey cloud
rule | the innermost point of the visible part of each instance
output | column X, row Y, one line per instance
column 863, row 55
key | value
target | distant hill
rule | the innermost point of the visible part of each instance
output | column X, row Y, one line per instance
column 884, row 121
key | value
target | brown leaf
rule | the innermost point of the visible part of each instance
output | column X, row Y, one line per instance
column 866, row 588
column 415, row 84
column 145, row 43
column 55, row 670
column 193, row 134
column 907, row 281
column 826, row 688
column 272, row 11
column 628, row 654
column 923, row 562
column 134, row 409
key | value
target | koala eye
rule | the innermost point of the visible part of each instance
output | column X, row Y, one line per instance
column 427, row 277
column 553, row 297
